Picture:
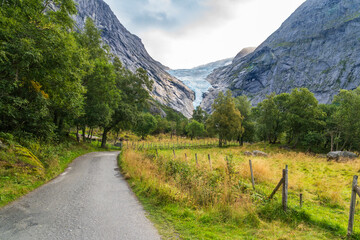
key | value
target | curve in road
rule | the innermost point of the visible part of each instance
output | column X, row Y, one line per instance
column 90, row 200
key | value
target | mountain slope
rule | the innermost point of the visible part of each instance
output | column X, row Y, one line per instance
column 195, row 78
column 129, row 48
column 316, row 47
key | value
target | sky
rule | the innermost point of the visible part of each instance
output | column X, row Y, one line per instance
column 188, row 33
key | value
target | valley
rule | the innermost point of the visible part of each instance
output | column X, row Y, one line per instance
column 195, row 78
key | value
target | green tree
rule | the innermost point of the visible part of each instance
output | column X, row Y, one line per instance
column 195, row 129
column 226, row 120
column 304, row 115
column 134, row 89
column 102, row 96
column 347, row 116
column 40, row 70
column 200, row 115
column 243, row 104
column 271, row 116
column 146, row 124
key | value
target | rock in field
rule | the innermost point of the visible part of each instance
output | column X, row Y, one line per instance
column 341, row 156
column 247, row 153
column 256, row 153
column 259, row 153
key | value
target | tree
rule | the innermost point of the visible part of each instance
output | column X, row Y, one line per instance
column 244, row 106
column 102, row 96
column 226, row 120
column 304, row 115
column 40, row 70
column 135, row 89
column 347, row 116
column 195, row 129
column 271, row 116
column 146, row 124
column 200, row 115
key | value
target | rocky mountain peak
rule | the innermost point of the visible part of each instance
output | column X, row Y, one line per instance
column 316, row 47
column 129, row 48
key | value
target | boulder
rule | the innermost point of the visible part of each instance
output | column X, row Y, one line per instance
column 247, row 153
column 259, row 153
column 341, row 156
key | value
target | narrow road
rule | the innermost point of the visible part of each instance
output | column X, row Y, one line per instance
column 90, row 200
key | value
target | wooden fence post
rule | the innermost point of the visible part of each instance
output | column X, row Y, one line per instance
column 185, row 157
column 174, row 153
column 252, row 175
column 210, row 162
column 352, row 206
column 285, row 189
column 157, row 153
column 301, row 200
column 197, row 163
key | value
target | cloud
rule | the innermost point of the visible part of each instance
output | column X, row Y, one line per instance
column 186, row 33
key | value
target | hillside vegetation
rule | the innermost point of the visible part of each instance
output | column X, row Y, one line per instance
column 27, row 165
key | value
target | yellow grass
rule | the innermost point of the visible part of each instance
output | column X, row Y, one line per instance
column 326, row 186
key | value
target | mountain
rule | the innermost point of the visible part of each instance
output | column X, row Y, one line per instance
column 316, row 47
column 167, row 89
column 195, row 78
column 218, row 72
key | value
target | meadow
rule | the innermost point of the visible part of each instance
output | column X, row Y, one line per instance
column 190, row 200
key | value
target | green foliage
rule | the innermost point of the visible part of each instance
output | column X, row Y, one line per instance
column 195, row 129
column 303, row 116
column 200, row 115
column 40, row 66
column 146, row 124
column 271, row 116
column 346, row 118
column 243, row 104
column 226, row 120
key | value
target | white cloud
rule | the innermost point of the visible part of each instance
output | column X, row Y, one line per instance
column 190, row 33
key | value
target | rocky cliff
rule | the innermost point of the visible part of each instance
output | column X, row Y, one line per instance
column 317, row 47
column 220, row 73
column 167, row 89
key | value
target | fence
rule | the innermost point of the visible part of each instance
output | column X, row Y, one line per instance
column 283, row 181
column 177, row 145
column 355, row 190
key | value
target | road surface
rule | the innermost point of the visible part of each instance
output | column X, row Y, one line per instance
column 90, row 200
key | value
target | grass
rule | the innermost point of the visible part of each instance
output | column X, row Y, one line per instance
column 187, row 201
column 25, row 167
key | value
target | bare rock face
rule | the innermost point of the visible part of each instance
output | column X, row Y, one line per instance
column 220, row 86
column 317, row 47
column 167, row 89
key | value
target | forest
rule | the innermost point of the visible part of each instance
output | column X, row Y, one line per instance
column 57, row 79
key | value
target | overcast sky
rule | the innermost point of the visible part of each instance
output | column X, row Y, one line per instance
column 188, row 33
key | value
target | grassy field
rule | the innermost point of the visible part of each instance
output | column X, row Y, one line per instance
column 190, row 201
column 28, row 166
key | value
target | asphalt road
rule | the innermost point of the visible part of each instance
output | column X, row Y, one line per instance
column 90, row 200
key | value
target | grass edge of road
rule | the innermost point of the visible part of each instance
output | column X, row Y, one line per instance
column 19, row 176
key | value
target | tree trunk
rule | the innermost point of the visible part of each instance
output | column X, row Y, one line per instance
column 220, row 142
column 104, row 138
column 332, row 142
column 77, row 134
column 83, row 133
column 89, row 133
column 91, row 136
column 242, row 141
